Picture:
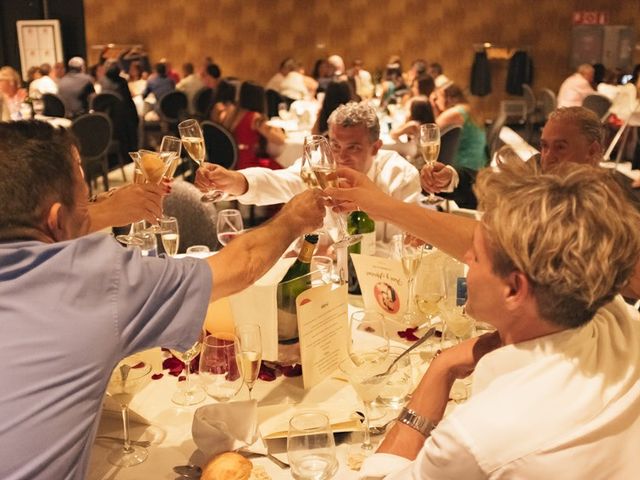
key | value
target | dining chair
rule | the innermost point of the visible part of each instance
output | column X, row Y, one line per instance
column 202, row 101
column 220, row 145
column 93, row 131
column 123, row 139
column 449, row 142
column 599, row 104
column 53, row 106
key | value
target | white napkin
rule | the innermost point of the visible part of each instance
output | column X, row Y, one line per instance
column 225, row 427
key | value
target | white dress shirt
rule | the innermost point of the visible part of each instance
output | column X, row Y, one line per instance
column 190, row 85
column 565, row 406
column 42, row 85
column 389, row 171
column 573, row 90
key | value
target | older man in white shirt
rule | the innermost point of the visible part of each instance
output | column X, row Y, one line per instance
column 354, row 139
column 556, row 390
column 576, row 87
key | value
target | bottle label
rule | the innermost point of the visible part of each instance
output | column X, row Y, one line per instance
column 368, row 243
column 306, row 252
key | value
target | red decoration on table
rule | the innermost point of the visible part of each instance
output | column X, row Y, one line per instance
column 409, row 334
column 157, row 376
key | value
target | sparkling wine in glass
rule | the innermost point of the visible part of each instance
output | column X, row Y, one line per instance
column 319, row 163
column 129, row 377
column 220, row 371
column 429, row 145
column 410, row 257
column 189, row 394
column 171, row 146
column 250, row 353
column 311, row 448
column 430, row 285
column 170, row 235
column 193, row 141
column 229, row 225
column 153, row 166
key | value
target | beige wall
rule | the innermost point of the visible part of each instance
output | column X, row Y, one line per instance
column 248, row 38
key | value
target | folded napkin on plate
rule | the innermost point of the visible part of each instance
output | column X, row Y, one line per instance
column 226, row 427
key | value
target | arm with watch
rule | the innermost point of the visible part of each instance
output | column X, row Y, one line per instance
column 429, row 400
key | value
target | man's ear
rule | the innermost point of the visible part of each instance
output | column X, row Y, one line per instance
column 375, row 147
column 595, row 152
column 518, row 289
column 55, row 221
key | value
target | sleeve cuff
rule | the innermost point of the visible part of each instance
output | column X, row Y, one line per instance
column 455, row 179
column 379, row 465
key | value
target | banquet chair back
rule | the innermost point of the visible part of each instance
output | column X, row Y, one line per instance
column 598, row 104
column 449, row 142
column 93, row 131
column 273, row 100
column 546, row 103
column 123, row 140
column 105, row 103
column 53, row 106
column 173, row 107
column 493, row 135
column 220, row 145
column 196, row 219
column 202, row 102
column 529, row 99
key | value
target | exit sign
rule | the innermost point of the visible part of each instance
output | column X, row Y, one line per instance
column 590, row 17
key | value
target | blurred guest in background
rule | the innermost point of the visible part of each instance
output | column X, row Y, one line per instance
column 576, row 87
column 294, row 85
column 337, row 93
column 286, row 66
column 362, row 80
column 211, row 76
column 224, row 101
column 158, row 85
column 137, row 79
column 322, row 73
column 436, row 71
column 419, row 113
column 12, row 92
column 339, row 70
column 75, row 88
column 190, row 84
column 44, row 84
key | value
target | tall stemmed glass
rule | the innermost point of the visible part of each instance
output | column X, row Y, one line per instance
column 250, row 352
column 171, row 146
column 193, row 141
column 368, row 350
column 430, row 285
column 229, row 225
column 170, row 235
column 153, row 166
column 219, row 366
column 429, row 145
column 189, row 394
column 129, row 377
column 410, row 256
column 319, row 164
column 311, row 447
column 452, row 308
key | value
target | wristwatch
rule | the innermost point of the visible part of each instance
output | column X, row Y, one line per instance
column 419, row 423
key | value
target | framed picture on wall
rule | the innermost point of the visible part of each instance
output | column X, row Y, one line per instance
column 39, row 42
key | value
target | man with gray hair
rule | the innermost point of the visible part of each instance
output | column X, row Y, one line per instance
column 354, row 137
column 75, row 88
column 576, row 87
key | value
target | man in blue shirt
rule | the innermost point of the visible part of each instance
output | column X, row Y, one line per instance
column 73, row 305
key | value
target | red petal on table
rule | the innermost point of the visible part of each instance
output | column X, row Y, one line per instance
column 267, row 374
column 157, row 376
column 138, row 365
column 182, row 378
column 292, row 370
column 174, row 365
column 408, row 334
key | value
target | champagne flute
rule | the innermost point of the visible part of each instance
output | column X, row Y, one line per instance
column 311, row 448
column 136, row 227
column 410, row 256
column 190, row 394
column 430, row 285
column 170, row 235
column 153, row 166
column 219, row 369
column 229, row 225
column 319, row 163
column 129, row 377
column 250, row 353
column 452, row 308
column 193, row 141
column 429, row 145
column 171, row 146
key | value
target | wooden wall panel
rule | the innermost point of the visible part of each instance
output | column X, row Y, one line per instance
column 248, row 38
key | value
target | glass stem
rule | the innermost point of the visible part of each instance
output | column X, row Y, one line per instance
column 366, row 442
column 249, row 387
column 187, row 377
column 126, row 446
column 411, row 296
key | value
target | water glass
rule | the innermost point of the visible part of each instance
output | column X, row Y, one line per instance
column 170, row 235
column 399, row 384
column 229, row 225
column 323, row 265
column 198, row 251
column 310, row 446
column 149, row 245
column 220, row 371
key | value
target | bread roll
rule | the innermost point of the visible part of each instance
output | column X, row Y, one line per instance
column 227, row 466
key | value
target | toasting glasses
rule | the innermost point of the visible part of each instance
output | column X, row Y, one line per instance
column 193, row 141
column 429, row 144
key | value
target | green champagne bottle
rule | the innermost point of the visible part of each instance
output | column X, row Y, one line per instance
column 360, row 223
column 294, row 282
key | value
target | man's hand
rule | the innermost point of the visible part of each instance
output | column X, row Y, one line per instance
column 128, row 204
column 305, row 212
column 435, row 178
column 214, row 177
column 461, row 360
column 356, row 191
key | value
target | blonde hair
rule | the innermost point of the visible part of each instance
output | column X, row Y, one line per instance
column 571, row 231
column 8, row 73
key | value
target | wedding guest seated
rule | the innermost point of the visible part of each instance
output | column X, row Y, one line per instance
column 419, row 113
column 73, row 305
column 393, row 86
column 211, row 76
column 137, row 79
column 418, row 69
column 354, row 137
column 190, row 84
column 322, row 73
column 336, row 94
column 44, row 83
column 75, row 88
column 295, row 85
column 287, row 65
column 452, row 108
column 437, row 73
column 556, row 389
column 576, row 87
column 362, row 80
column 421, row 87
column 11, row 91
column 248, row 123
column 159, row 85
column 224, row 101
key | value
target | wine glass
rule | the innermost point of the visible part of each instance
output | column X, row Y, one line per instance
column 149, row 245
column 429, row 145
column 128, row 378
column 153, row 166
column 219, row 368
column 319, row 164
column 171, row 146
column 189, row 394
column 250, row 352
column 193, row 140
column 136, row 227
column 170, row 235
column 368, row 339
column 452, row 309
column 410, row 256
column 430, row 285
column 311, row 449
column 229, row 225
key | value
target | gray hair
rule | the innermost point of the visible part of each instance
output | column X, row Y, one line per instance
column 354, row 114
column 586, row 120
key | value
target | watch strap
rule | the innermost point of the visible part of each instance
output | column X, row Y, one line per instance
column 419, row 423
